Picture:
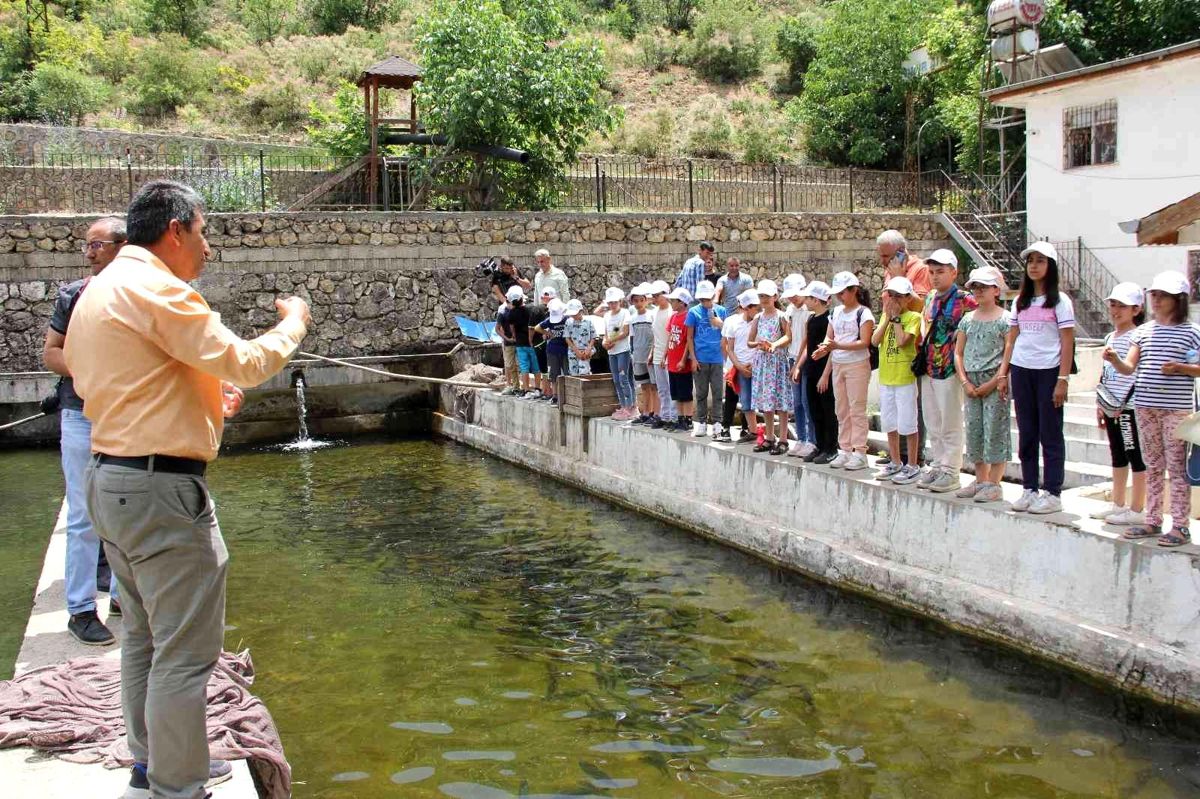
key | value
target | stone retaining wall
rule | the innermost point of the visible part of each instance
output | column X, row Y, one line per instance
column 390, row 283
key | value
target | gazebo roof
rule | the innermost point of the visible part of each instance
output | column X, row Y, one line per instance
column 392, row 72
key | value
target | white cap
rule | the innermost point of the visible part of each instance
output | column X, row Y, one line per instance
column 1170, row 282
column 791, row 291
column 705, row 290
column 514, row 293
column 793, row 281
column 747, row 298
column 943, row 257
column 659, row 287
column 767, row 287
column 640, row 290
column 613, row 294
column 681, row 294
column 557, row 310
column 986, row 276
column 818, row 290
column 1127, row 294
column 550, row 292
column 573, row 307
column 1044, row 247
column 900, row 286
column 842, row 281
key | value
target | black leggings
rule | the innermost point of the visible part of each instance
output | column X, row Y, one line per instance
column 1123, row 441
column 729, row 408
column 820, row 408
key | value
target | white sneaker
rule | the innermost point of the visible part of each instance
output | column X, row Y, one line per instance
column 929, row 473
column 946, row 480
column 1046, row 503
column 1028, row 497
column 990, row 492
column 716, row 429
column 840, row 461
column 889, row 471
column 1127, row 516
column 1104, row 513
column 969, row 490
column 906, row 476
column 856, row 462
column 806, row 449
column 699, row 429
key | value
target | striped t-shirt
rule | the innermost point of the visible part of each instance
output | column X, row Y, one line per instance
column 1119, row 385
column 1157, row 345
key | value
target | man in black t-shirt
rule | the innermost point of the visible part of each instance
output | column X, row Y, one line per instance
column 84, row 550
column 505, row 278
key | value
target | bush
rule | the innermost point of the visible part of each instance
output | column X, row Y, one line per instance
column 334, row 16
column 236, row 190
column 327, row 59
column 279, row 103
column 728, row 40
column 61, row 95
column 168, row 74
column 796, row 41
column 763, row 144
column 340, row 131
column 652, row 136
column 709, row 136
column 621, row 21
column 655, row 51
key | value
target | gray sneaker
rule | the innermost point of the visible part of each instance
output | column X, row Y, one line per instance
column 906, row 476
column 888, row 472
column 989, row 492
column 1028, row 497
column 928, row 475
column 945, row 481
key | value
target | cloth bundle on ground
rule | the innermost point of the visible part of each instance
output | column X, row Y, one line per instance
column 73, row 710
column 461, row 401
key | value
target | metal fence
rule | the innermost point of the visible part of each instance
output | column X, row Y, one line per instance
column 272, row 180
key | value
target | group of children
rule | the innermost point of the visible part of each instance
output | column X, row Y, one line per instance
column 787, row 353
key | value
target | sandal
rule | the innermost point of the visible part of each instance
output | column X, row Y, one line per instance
column 1176, row 538
column 1142, row 531
column 764, row 447
column 780, row 448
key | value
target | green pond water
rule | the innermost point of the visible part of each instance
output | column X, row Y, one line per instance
column 429, row 622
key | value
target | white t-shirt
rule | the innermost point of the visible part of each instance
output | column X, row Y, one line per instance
column 737, row 330
column 613, row 322
column 846, row 330
column 797, row 321
column 1039, row 345
column 661, row 317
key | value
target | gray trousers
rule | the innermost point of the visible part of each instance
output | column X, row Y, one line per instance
column 164, row 545
column 709, row 381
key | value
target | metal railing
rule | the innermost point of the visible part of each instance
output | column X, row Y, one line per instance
column 1086, row 279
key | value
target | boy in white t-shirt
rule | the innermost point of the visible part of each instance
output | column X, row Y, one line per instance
column 620, row 360
column 798, row 315
column 667, row 412
column 735, row 339
column 641, row 336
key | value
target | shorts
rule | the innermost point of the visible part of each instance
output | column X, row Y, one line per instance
column 1123, row 441
column 681, row 386
column 542, row 359
column 527, row 361
column 898, row 409
column 556, row 362
column 641, row 374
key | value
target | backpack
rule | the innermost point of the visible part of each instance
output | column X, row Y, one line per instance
column 872, row 350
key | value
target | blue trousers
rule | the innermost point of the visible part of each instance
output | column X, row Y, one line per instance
column 83, row 546
column 804, row 425
column 621, row 364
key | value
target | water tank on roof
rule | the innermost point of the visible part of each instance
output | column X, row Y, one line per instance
column 1007, row 13
column 1025, row 41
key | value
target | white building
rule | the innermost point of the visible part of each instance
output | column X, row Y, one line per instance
column 1111, row 143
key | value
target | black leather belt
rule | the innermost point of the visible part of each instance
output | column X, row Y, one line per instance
column 162, row 463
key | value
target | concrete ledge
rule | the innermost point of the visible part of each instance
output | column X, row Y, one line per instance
column 1059, row 587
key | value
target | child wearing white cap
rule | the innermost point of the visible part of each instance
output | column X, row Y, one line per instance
column 704, row 320
column 818, row 375
column 679, row 361
column 580, row 334
column 1165, row 354
column 848, row 347
column 620, row 360
column 735, row 340
column 771, row 393
column 897, row 338
column 1041, row 347
column 1115, row 410
column 641, row 346
column 552, row 328
column 978, row 354
column 516, row 330
column 797, row 315
column 666, row 416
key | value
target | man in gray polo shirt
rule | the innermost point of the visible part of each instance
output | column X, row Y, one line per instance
column 732, row 284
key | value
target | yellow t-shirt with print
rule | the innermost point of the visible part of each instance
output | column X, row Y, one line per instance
column 895, row 363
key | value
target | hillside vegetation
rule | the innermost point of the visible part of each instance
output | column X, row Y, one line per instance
column 760, row 80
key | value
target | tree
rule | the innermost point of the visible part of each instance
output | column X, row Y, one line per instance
column 266, row 18
column 334, row 16
column 188, row 18
column 342, row 130
column 509, row 74
column 728, row 40
column 796, row 41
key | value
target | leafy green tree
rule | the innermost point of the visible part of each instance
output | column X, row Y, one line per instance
column 796, row 42
column 265, row 19
column 729, row 40
column 342, row 130
column 510, row 74
column 334, row 16
column 188, row 18
column 61, row 95
column 168, row 74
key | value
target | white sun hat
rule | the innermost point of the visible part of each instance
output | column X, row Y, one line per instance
column 747, row 298
column 557, row 309
column 1171, row 283
column 767, row 288
column 900, row 286
column 681, row 294
column 573, row 307
column 943, row 257
column 818, row 290
column 659, row 287
column 793, row 281
column 705, row 290
column 613, row 294
column 843, row 281
column 514, row 293
column 1044, row 247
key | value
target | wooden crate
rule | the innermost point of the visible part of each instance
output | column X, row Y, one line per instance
column 588, row 395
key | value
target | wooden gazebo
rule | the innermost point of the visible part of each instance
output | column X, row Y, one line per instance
column 391, row 73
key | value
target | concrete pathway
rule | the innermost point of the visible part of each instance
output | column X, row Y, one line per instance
column 27, row 774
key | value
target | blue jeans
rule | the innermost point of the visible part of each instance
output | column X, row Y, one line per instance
column 804, row 426
column 83, row 547
column 745, row 385
column 621, row 365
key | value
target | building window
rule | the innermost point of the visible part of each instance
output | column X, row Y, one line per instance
column 1090, row 135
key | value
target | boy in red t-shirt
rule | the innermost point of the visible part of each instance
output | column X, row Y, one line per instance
column 679, row 365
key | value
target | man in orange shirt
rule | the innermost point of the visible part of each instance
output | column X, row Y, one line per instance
column 158, row 374
column 896, row 261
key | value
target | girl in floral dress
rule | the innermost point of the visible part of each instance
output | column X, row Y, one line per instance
column 771, row 391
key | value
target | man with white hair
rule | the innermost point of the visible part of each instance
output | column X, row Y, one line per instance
column 549, row 275
column 897, row 261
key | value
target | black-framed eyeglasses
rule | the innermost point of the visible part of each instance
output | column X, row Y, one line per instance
column 96, row 245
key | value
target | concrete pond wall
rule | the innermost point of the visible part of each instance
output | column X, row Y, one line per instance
column 1125, row 613
column 383, row 284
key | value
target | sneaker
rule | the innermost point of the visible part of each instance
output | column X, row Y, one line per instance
column 906, row 475
column 746, row 437
column 218, row 772
column 114, row 607
column 945, row 481
column 681, row 425
column 889, row 471
column 969, row 490
column 1104, row 513
column 724, row 437
column 642, row 419
column 716, row 430
column 856, row 462
column 793, row 450
column 1046, row 503
column 807, row 448
column 825, row 458
column 699, row 429
column 1127, row 516
column 86, row 628
column 659, row 423
column 531, row 395
column 814, row 456
column 839, row 461
column 989, row 492
column 928, row 475
column 1028, row 497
